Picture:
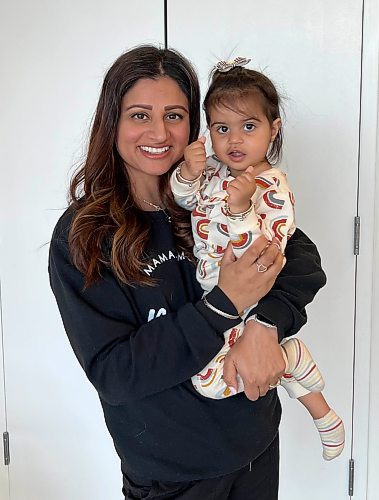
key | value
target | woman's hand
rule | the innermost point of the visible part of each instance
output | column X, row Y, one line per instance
column 243, row 280
column 257, row 358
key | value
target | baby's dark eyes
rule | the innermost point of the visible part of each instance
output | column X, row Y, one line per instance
column 222, row 129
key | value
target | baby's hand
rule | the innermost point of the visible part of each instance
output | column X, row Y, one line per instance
column 240, row 191
column 195, row 159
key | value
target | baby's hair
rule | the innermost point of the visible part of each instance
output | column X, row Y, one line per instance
column 231, row 87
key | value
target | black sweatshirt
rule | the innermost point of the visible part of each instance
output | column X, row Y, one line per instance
column 139, row 346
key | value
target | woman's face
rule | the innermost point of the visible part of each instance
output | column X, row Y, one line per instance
column 153, row 128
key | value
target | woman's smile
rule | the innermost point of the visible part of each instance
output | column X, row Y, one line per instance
column 153, row 152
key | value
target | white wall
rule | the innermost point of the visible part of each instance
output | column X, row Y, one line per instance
column 373, row 439
column 366, row 409
column 373, row 434
column 53, row 58
column 313, row 51
column 4, row 470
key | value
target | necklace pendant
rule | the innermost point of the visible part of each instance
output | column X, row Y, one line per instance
column 168, row 216
column 157, row 208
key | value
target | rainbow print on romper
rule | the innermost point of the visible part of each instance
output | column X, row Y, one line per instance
column 201, row 268
column 202, row 228
column 273, row 202
column 204, row 267
column 223, row 229
column 199, row 211
column 206, row 375
column 208, row 378
column 278, row 226
column 242, row 240
column 223, row 210
column 233, row 336
column 218, row 251
column 224, row 185
column 263, row 182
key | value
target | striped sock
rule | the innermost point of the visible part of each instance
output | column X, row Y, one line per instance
column 301, row 366
column 332, row 434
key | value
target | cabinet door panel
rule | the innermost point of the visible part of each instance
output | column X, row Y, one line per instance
column 312, row 53
column 4, row 469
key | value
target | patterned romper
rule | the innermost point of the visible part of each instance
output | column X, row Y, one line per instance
column 272, row 215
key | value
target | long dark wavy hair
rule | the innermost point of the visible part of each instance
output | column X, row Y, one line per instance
column 108, row 227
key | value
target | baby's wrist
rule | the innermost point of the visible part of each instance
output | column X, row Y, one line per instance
column 238, row 208
column 240, row 215
column 184, row 173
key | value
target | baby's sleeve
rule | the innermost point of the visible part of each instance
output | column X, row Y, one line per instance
column 275, row 206
column 243, row 233
column 184, row 194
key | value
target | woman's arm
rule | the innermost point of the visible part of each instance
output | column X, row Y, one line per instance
column 126, row 358
column 123, row 358
column 256, row 356
column 295, row 287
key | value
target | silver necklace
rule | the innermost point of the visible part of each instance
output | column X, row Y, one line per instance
column 157, row 208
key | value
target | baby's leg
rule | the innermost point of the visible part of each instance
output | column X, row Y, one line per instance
column 328, row 424
column 209, row 382
column 301, row 366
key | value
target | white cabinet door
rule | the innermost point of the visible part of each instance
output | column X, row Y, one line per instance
column 312, row 51
column 53, row 58
column 4, row 468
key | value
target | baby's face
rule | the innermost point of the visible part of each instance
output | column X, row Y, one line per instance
column 241, row 135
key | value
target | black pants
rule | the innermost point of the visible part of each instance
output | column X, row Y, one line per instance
column 257, row 481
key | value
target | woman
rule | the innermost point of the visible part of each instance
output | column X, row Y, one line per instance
column 122, row 271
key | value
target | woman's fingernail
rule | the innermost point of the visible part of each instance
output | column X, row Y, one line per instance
column 232, row 390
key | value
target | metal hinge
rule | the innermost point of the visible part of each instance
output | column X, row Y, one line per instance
column 351, row 477
column 7, row 457
column 357, row 234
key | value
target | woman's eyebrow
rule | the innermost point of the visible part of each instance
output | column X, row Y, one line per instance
column 149, row 107
column 143, row 106
column 176, row 106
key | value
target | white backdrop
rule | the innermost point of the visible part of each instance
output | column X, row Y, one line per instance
column 54, row 55
column 4, row 471
column 312, row 51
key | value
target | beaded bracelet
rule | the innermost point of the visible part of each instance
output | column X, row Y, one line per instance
column 240, row 216
column 181, row 179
